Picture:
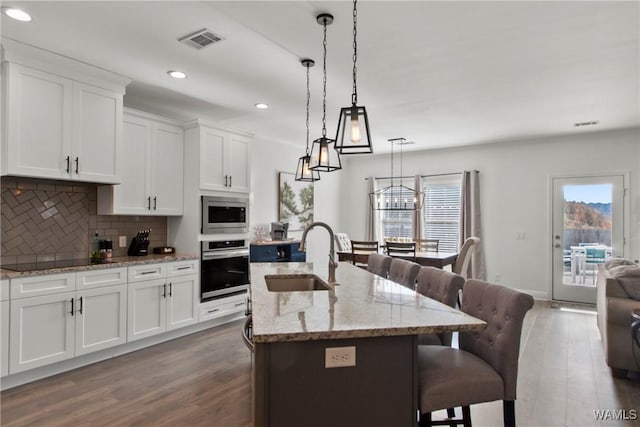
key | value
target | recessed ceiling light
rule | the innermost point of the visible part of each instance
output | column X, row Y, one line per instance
column 262, row 106
column 17, row 14
column 177, row 74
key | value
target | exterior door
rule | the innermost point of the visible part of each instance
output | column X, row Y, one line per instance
column 587, row 230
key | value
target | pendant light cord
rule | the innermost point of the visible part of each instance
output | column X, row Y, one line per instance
column 308, row 98
column 354, row 96
column 324, row 82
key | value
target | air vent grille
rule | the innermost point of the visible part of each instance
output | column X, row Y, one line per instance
column 201, row 39
column 590, row 123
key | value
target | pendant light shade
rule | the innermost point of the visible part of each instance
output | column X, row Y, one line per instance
column 324, row 157
column 303, row 173
column 353, row 135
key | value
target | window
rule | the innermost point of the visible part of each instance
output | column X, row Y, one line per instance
column 441, row 213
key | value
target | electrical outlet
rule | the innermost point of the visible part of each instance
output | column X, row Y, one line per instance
column 339, row 357
column 122, row 242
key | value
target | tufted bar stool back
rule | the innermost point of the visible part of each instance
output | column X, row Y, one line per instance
column 404, row 272
column 379, row 264
column 485, row 367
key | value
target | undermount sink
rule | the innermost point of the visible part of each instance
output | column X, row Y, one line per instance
column 295, row 282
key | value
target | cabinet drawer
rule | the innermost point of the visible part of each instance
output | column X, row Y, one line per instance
column 49, row 284
column 101, row 277
column 223, row 307
column 139, row 273
column 4, row 289
column 181, row 268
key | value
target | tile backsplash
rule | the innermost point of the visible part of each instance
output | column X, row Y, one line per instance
column 43, row 220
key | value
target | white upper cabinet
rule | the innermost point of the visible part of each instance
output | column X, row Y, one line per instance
column 152, row 169
column 62, row 119
column 223, row 157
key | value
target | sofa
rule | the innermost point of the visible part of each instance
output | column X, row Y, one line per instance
column 618, row 293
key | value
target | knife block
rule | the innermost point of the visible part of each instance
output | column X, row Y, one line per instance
column 139, row 246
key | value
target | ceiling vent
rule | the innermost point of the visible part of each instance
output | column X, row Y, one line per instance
column 200, row 39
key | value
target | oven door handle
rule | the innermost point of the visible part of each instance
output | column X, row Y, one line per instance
column 225, row 254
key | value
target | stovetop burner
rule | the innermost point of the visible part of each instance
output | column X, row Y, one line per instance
column 46, row 265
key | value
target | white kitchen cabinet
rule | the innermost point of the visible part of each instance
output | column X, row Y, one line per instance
column 42, row 331
column 62, row 118
column 223, row 157
column 4, row 327
column 58, row 316
column 59, row 128
column 101, row 318
column 153, row 169
column 160, row 304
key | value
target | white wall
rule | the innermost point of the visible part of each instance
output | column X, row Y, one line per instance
column 267, row 159
column 515, row 194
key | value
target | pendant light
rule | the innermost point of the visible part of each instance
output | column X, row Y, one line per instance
column 353, row 135
column 323, row 158
column 303, row 173
column 396, row 197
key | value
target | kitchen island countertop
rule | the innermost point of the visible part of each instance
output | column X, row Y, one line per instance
column 359, row 305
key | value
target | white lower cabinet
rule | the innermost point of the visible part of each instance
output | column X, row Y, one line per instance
column 101, row 318
column 42, row 331
column 4, row 338
column 58, row 326
column 159, row 305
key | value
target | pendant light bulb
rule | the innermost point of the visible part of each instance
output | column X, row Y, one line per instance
column 356, row 132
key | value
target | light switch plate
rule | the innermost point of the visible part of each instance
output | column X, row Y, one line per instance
column 339, row 357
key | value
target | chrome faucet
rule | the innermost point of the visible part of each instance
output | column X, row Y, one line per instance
column 332, row 252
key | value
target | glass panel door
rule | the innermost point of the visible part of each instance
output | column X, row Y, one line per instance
column 587, row 230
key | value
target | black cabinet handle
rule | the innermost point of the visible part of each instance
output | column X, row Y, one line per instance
column 149, row 203
column 77, row 164
column 81, row 304
column 170, row 289
column 72, row 306
column 68, row 163
column 183, row 268
column 226, row 180
column 164, row 292
column 214, row 310
column 239, row 304
column 155, row 203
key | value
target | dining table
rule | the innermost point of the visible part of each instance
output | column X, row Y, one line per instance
column 430, row 258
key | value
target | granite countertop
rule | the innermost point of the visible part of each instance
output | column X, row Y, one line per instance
column 360, row 305
column 114, row 263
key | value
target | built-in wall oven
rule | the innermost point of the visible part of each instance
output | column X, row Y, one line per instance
column 224, row 268
column 225, row 215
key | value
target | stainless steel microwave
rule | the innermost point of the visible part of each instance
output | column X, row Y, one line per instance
column 225, row 215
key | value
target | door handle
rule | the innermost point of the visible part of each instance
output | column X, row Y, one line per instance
column 72, row 306
column 155, row 203
column 77, row 164
column 226, row 180
column 68, row 163
column 164, row 292
column 81, row 305
column 149, row 203
column 170, row 289
column 230, row 180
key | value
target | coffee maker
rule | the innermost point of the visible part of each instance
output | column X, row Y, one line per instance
column 279, row 230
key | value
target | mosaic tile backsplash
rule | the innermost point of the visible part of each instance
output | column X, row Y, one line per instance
column 45, row 220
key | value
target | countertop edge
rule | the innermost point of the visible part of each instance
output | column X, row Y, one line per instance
column 115, row 263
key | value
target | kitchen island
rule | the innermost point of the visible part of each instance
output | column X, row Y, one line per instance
column 341, row 355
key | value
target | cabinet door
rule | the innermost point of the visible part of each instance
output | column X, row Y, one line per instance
column 101, row 318
column 97, row 138
column 4, row 338
column 146, row 309
column 167, row 170
column 237, row 162
column 182, row 301
column 212, row 172
column 41, row 331
column 39, row 121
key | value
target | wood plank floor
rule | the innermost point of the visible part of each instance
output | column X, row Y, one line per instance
column 205, row 380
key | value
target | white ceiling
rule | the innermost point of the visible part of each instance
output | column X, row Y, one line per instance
column 437, row 73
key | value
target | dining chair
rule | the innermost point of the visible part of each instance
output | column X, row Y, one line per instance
column 427, row 245
column 343, row 242
column 406, row 250
column 593, row 257
column 461, row 265
column 360, row 250
column 443, row 286
column 485, row 367
column 379, row 264
column 404, row 272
